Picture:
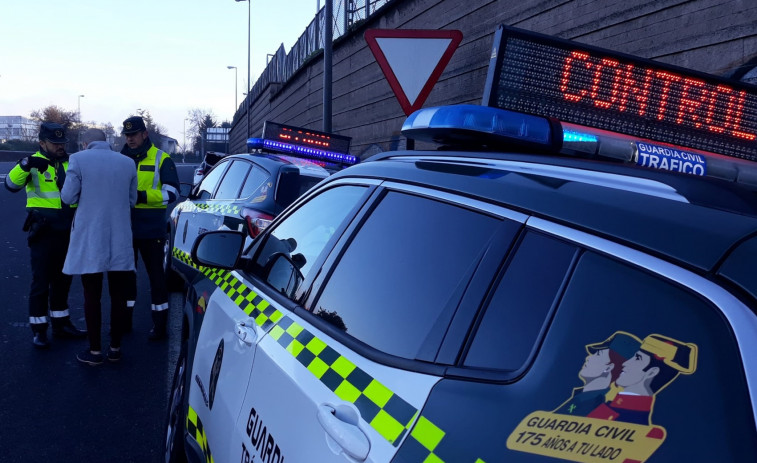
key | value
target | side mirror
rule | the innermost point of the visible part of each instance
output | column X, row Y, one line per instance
column 220, row 248
column 283, row 273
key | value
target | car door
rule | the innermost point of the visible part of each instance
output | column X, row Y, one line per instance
column 344, row 378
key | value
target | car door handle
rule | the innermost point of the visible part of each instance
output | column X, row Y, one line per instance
column 341, row 426
column 245, row 331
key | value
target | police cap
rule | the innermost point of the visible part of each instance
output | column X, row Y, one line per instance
column 624, row 344
column 52, row 132
column 133, row 124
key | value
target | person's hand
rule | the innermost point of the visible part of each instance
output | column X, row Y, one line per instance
column 141, row 197
column 33, row 162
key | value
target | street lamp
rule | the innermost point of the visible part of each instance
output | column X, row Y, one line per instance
column 184, row 156
column 236, row 89
column 78, row 106
column 248, row 60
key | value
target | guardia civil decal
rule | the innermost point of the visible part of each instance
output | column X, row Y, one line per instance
column 610, row 416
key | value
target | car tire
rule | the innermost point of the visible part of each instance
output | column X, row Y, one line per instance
column 174, row 281
column 176, row 417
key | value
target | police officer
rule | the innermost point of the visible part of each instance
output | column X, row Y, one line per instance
column 48, row 224
column 157, row 186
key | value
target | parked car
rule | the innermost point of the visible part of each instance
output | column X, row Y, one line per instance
column 477, row 306
column 523, row 289
column 210, row 159
column 246, row 191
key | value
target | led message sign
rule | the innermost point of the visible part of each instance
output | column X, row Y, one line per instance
column 305, row 137
column 590, row 86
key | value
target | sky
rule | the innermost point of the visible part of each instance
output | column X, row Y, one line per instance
column 164, row 56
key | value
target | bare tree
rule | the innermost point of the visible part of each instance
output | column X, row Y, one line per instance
column 199, row 120
column 68, row 119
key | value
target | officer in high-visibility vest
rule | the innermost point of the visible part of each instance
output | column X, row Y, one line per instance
column 157, row 187
column 48, row 225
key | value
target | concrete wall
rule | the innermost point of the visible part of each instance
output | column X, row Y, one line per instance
column 714, row 36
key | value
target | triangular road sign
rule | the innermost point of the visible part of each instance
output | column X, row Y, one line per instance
column 412, row 60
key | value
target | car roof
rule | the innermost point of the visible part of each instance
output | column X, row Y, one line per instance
column 693, row 220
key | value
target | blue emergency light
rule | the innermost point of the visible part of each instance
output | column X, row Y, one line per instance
column 302, row 151
column 473, row 126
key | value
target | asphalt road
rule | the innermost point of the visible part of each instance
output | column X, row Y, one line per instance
column 53, row 408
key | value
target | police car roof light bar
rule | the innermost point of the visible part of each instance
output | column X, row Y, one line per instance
column 302, row 151
column 469, row 127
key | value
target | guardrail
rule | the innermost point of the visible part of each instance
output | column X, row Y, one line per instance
column 347, row 15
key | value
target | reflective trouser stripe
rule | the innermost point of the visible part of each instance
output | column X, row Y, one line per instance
column 37, row 320
column 159, row 307
column 59, row 313
column 130, row 304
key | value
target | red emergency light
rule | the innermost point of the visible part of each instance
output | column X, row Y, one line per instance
column 590, row 86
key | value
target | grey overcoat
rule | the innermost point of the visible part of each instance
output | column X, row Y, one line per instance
column 104, row 184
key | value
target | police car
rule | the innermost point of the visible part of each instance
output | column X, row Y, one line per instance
column 533, row 291
column 245, row 191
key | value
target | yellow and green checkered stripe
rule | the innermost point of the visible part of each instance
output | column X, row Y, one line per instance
column 188, row 206
column 388, row 413
column 195, row 429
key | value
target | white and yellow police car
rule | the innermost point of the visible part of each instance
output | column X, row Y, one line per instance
column 535, row 291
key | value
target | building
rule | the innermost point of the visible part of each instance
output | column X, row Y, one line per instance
column 18, row 128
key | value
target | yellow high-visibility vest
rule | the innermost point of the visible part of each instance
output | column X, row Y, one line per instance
column 41, row 188
column 148, row 179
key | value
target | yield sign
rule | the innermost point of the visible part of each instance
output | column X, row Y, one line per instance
column 412, row 60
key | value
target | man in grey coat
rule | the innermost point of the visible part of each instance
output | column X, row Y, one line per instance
column 104, row 184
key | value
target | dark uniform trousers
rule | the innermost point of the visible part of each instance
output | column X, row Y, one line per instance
column 151, row 250
column 48, row 253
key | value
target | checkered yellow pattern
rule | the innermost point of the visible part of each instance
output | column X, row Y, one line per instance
column 384, row 410
column 189, row 206
column 195, row 429
column 389, row 414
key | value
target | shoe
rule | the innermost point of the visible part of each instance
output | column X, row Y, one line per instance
column 157, row 334
column 86, row 356
column 40, row 340
column 69, row 331
column 114, row 355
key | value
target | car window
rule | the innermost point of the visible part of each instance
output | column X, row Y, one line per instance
column 406, row 263
column 208, row 184
column 303, row 235
column 307, row 182
column 520, row 303
column 255, row 178
column 232, row 181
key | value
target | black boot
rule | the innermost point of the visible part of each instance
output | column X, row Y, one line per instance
column 160, row 322
column 40, row 339
column 64, row 329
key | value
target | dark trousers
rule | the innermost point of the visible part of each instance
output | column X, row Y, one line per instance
column 93, row 287
column 48, row 253
column 151, row 251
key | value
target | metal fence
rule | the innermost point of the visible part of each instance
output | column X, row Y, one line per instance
column 347, row 15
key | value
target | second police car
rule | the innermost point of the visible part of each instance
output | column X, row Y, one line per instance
column 535, row 291
column 246, row 191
